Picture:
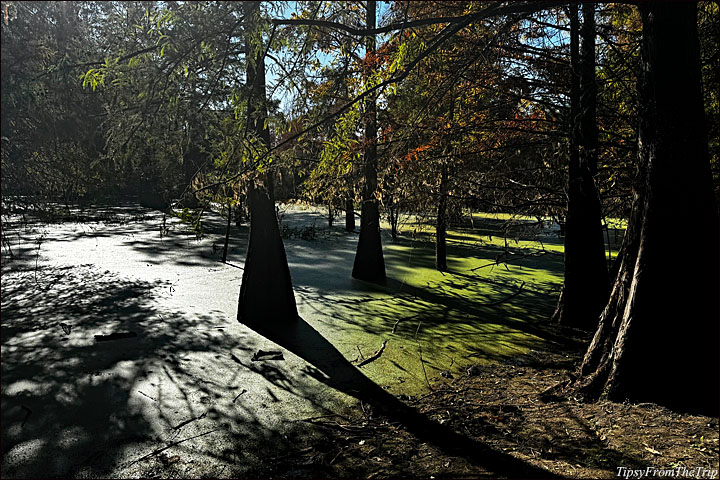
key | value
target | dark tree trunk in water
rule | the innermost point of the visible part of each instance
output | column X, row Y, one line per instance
column 394, row 214
column 441, row 227
column 392, row 205
column 585, row 289
column 227, row 233
column 266, row 294
column 657, row 339
column 369, row 262
column 239, row 211
column 189, row 167
column 350, row 211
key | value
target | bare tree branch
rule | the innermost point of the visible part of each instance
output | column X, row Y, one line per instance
column 524, row 7
column 448, row 32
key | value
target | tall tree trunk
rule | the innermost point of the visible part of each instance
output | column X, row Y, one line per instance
column 369, row 262
column 657, row 339
column 227, row 233
column 441, row 226
column 239, row 210
column 350, row 210
column 266, row 293
column 394, row 214
column 585, row 289
column 391, row 203
column 442, row 213
column 350, row 186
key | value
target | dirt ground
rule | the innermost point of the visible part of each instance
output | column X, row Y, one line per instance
column 522, row 407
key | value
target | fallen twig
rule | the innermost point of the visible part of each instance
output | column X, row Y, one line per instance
column 330, row 415
column 182, row 424
column 238, row 395
column 555, row 387
column 170, row 445
column 267, row 355
column 401, row 319
column 422, row 362
column 483, row 266
column 396, row 324
column 434, row 392
column 507, row 253
column 346, row 428
column 375, row 356
column 148, row 396
column 335, row 457
column 302, row 451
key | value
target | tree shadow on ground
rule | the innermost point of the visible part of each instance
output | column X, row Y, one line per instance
column 75, row 405
column 331, row 368
column 153, row 234
column 70, row 404
column 452, row 315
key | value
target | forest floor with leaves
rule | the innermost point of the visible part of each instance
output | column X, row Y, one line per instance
column 524, row 407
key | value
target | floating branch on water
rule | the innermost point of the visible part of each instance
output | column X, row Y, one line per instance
column 267, row 355
column 182, row 424
column 375, row 356
column 401, row 319
column 238, row 395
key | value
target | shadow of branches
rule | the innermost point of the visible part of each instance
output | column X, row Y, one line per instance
column 73, row 405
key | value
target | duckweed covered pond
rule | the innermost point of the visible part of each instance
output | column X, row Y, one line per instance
column 493, row 303
column 129, row 269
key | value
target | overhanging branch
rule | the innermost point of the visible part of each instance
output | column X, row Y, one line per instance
column 524, row 7
column 448, row 32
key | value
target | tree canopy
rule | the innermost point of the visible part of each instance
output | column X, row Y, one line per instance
column 392, row 109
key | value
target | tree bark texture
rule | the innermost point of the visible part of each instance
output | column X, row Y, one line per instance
column 369, row 261
column 586, row 284
column 266, row 293
column 657, row 339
